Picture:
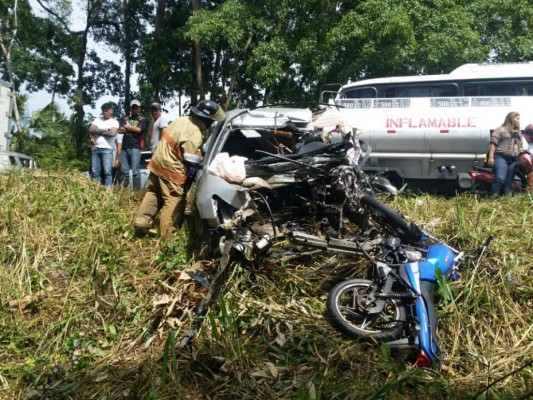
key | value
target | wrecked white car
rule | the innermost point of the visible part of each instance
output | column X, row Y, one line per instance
column 271, row 173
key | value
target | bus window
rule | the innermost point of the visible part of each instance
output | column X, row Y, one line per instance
column 492, row 89
column 428, row 90
column 471, row 90
column 360, row 93
column 394, row 92
column 527, row 89
column 446, row 91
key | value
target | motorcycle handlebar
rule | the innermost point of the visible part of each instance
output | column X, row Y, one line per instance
column 484, row 247
column 478, row 252
column 487, row 242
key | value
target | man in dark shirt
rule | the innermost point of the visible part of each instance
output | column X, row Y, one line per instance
column 132, row 128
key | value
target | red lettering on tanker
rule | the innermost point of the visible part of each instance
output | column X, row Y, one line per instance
column 451, row 122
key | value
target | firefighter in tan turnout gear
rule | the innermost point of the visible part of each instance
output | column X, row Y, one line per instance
column 167, row 170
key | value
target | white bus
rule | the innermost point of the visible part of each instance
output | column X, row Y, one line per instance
column 431, row 129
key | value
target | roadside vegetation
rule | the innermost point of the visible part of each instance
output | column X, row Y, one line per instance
column 89, row 311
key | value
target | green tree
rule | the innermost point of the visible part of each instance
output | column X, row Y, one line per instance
column 392, row 37
column 505, row 28
column 51, row 143
column 125, row 37
column 33, row 51
column 252, row 52
column 47, row 137
column 94, row 77
column 166, row 62
column 288, row 50
column 226, row 33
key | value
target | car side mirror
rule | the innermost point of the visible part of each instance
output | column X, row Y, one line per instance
column 193, row 160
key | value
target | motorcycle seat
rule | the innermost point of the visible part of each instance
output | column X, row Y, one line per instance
column 483, row 169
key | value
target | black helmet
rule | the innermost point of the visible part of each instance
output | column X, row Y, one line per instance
column 209, row 109
column 528, row 133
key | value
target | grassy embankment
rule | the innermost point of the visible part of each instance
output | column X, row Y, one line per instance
column 88, row 311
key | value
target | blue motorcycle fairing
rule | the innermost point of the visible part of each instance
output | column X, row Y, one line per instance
column 413, row 274
column 426, row 335
column 428, row 293
column 438, row 256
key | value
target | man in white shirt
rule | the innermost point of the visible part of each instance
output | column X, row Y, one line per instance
column 160, row 125
column 103, row 138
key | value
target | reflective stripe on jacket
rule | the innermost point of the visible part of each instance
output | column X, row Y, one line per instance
column 183, row 134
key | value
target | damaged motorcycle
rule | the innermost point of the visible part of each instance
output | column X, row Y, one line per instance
column 269, row 173
column 396, row 305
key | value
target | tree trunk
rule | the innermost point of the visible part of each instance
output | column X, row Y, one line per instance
column 80, row 136
column 156, row 81
column 266, row 98
column 234, row 69
column 198, row 58
column 128, row 40
column 6, row 49
column 7, row 55
column 160, row 15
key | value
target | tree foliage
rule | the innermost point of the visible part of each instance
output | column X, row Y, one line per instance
column 39, row 49
column 165, row 64
column 53, row 149
column 252, row 52
column 505, row 28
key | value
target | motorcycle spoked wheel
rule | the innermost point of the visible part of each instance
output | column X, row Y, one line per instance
column 348, row 314
column 391, row 221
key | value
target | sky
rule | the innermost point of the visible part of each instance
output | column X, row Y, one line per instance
column 39, row 100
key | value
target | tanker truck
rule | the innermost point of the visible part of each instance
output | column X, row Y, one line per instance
column 430, row 130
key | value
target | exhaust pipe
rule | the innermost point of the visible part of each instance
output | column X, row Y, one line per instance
column 339, row 246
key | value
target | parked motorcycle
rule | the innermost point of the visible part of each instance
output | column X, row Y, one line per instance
column 396, row 306
column 478, row 180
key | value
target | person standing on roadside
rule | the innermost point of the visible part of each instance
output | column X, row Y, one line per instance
column 103, row 132
column 164, row 193
column 504, row 148
column 525, row 159
column 160, row 125
column 132, row 127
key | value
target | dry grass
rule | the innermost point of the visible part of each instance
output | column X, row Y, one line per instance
column 88, row 311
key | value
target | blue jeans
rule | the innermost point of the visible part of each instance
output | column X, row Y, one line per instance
column 504, row 170
column 130, row 159
column 102, row 166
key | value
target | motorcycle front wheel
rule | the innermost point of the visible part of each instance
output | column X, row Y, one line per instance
column 347, row 307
